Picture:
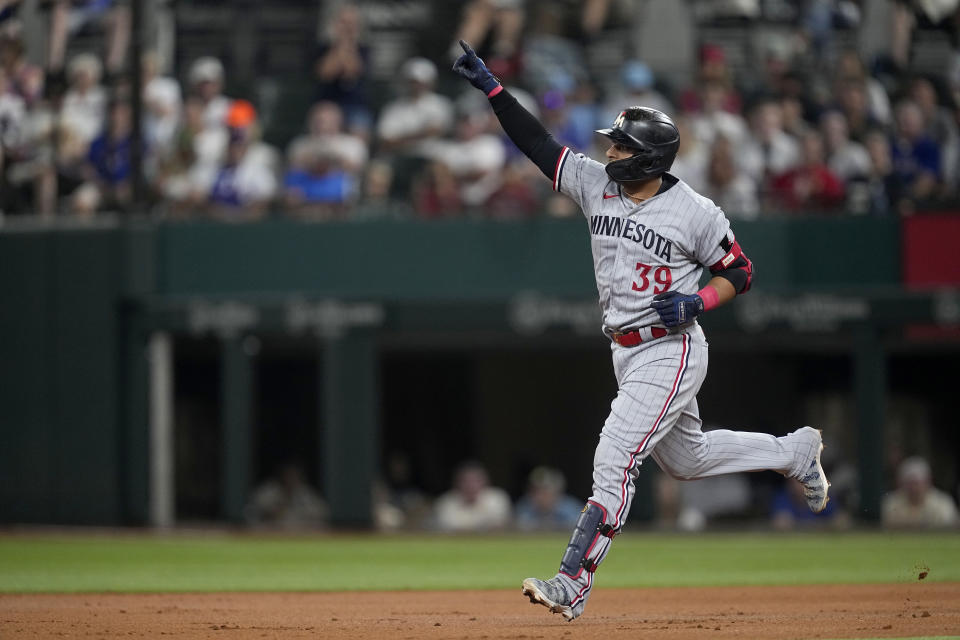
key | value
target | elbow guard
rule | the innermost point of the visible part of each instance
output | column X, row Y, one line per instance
column 734, row 267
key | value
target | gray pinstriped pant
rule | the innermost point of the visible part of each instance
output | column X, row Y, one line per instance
column 655, row 414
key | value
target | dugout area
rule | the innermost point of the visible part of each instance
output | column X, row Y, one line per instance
column 514, row 406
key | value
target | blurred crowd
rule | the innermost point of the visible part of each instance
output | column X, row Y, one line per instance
column 473, row 504
column 812, row 127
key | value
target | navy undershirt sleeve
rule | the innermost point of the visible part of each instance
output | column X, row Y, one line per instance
column 527, row 133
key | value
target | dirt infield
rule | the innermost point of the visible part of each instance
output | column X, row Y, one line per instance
column 862, row 611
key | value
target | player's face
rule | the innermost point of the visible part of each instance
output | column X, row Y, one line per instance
column 619, row 152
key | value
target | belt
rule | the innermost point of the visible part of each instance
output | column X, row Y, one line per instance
column 635, row 336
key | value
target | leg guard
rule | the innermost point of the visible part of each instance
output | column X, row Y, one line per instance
column 589, row 543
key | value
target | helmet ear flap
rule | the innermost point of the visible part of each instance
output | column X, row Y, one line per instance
column 641, row 166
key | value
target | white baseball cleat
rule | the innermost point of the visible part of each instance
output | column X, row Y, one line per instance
column 814, row 480
column 551, row 594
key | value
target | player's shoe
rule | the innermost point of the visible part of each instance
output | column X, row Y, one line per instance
column 553, row 595
column 814, row 480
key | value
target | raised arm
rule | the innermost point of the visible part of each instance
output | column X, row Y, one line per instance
column 519, row 124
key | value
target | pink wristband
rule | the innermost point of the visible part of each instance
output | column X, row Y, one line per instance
column 710, row 297
column 497, row 89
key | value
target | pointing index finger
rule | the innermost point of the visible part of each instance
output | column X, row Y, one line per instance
column 467, row 48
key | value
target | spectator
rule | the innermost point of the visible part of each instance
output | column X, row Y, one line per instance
column 13, row 114
column 436, row 193
column 728, row 187
column 770, row 150
column 636, row 87
column 549, row 52
column 84, row 107
column 713, row 71
column 499, row 21
column 517, row 196
column 693, row 156
column 851, row 98
column 23, row 78
column 162, row 104
column 916, row 157
column 472, row 504
column 342, row 68
column 789, row 510
column 556, row 118
column 775, row 74
column 879, row 192
column 794, row 122
column 916, row 503
column 81, row 119
column 476, row 158
column 545, row 506
column 850, row 69
column 849, row 160
column 410, row 126
column 811, row 186
column 27, row 169
column 206, row 84
column 401, row 492
column 714, row 120
column 315, row 186
column 569, row 112
column 187, row 169
column 941, row 126
column 67, row 17
column 908, row 14
column 108, row 185
column 325, row 130
column 376, row 185
column 246, row 182
column 286, row 501
column 413, row 121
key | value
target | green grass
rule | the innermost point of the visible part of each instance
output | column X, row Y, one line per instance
column 224, row 562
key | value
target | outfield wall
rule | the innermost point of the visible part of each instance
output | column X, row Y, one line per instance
column 80, row 306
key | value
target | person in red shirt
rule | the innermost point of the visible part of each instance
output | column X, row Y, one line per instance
column 811, row 186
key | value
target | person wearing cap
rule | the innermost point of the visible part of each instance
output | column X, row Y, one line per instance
column 413, row 125
column 418, row 117
column 205, row 81
column 246, row 182
column 916, row 503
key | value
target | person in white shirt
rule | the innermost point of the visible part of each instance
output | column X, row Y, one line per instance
column 412, row 121
column 770, row 150
column 472, row 504
column 916, row 503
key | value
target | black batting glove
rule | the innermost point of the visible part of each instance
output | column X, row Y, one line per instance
column 472, row 68
column 676, row 309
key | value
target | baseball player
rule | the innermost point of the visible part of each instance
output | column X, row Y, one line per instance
column 651, row 236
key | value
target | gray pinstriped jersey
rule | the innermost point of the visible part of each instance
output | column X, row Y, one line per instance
column 640, row 250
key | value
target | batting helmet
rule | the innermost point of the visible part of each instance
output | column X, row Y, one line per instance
column 651, row 134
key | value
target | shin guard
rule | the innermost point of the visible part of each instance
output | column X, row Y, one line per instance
column 589, row 543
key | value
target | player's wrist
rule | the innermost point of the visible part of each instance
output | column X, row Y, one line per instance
column 709, row 298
